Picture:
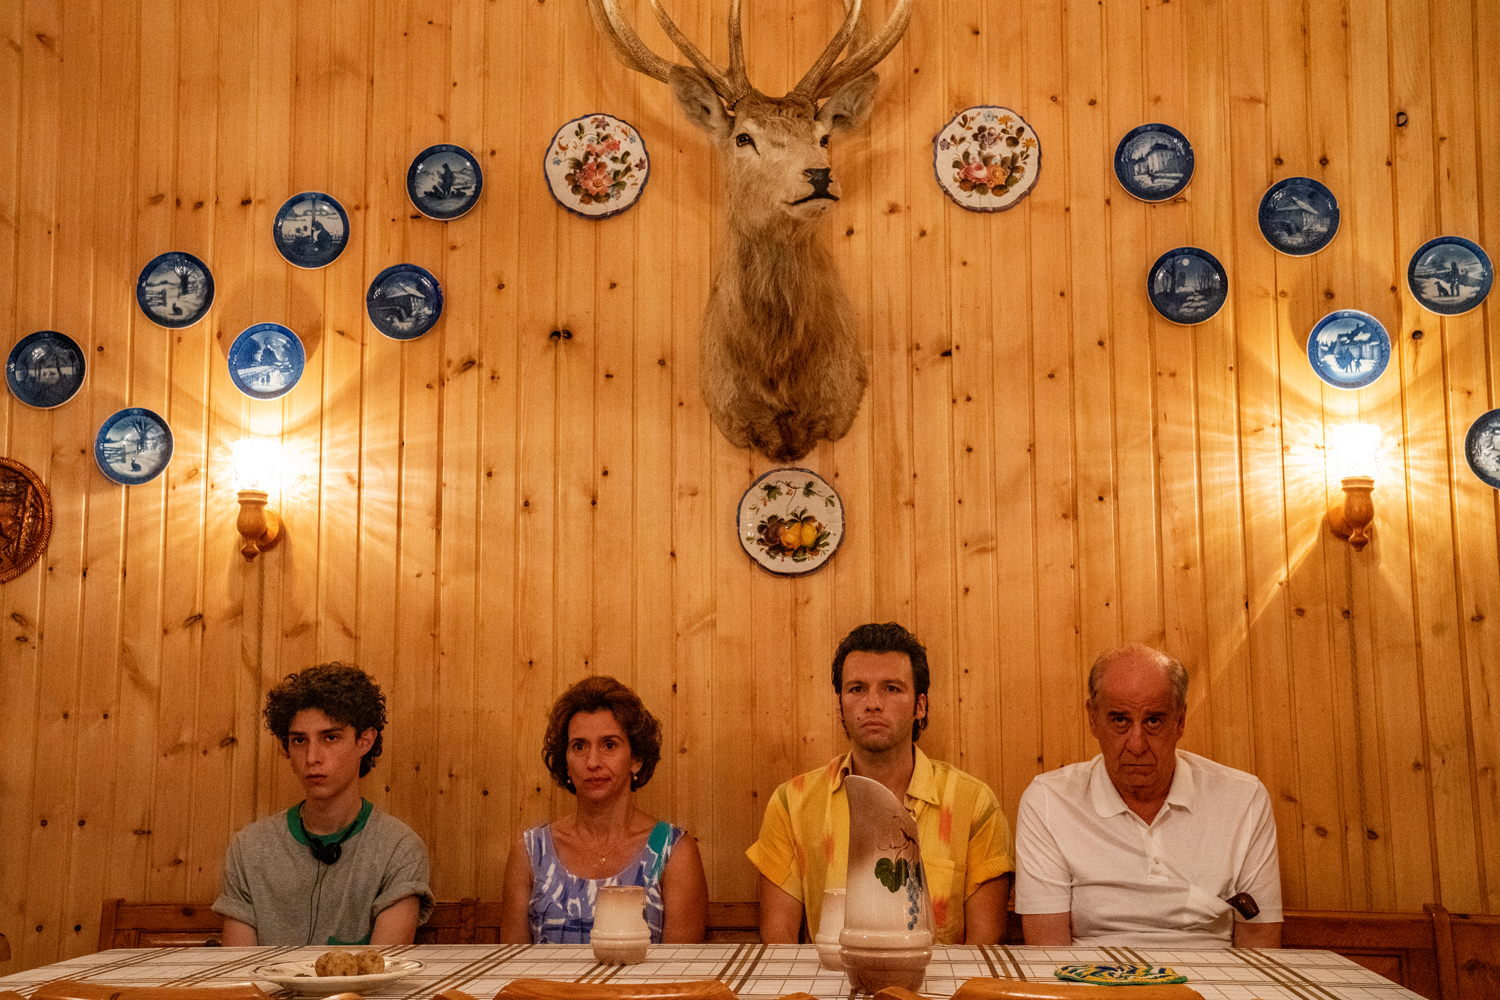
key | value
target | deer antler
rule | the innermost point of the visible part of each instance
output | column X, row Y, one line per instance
column 808, row 85
column 628, row 45
column 860, row 62
column 730, row 85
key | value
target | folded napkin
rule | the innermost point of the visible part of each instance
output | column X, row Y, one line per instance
column 1120, row 975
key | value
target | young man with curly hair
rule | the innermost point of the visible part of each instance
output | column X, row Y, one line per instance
column 332, row 869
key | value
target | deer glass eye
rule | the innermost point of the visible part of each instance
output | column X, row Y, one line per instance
column 823, row 142
column 743, row 139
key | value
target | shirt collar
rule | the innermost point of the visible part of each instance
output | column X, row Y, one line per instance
column 1106, row 799
column 922, row 787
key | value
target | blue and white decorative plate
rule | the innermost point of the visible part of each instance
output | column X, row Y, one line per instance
column 1187, row 285
column 1482, row 448
column 1450, row 275
column 404, row 301
column 986, row 158
column 597, row 166
column 45, row 369
column 266, row 360
column 175, row 290
column 133, row 447
column 1299, row 216
column 1154, row 162
column 791, row 521
column 1348, row 349
column 444, row 181
column 311, row 229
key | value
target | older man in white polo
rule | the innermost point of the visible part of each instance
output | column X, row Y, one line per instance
column 1145, row 845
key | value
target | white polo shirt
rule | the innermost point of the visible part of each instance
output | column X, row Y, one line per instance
column 1079, row 849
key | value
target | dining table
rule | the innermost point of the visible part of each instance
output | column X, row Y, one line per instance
column 750, row 970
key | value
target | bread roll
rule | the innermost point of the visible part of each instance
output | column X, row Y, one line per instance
column 336, row 963
column 371, row 962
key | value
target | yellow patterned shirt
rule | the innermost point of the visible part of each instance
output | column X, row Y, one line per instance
column 966, row 841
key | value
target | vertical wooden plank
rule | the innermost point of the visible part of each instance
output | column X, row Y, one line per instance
column 191, row 196
column 344, row 331
column 146, row 506
column 650, row 370
column 1089, row 156
column 1484, row 684
column 579, row 244
column 1062, row 671
column 975, row 670
column 930, row 362
column 1475, row 515
column 1430, row 473
column 381, row 394
column 499, row 506
column 699, row 636
column 536, row 402
column 70, row 476
column 226, row 729
column 42, row 686
column 458, row 581
column 1252, row 267
column 1128, row 340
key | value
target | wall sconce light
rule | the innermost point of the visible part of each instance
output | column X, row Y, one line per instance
column 1355, row 452
column 257, row 464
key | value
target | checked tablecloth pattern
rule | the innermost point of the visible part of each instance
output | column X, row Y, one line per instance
column 751, row 970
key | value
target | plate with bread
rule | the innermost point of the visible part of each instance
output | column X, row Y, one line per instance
column 338, row 971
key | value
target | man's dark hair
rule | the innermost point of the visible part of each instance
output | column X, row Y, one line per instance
column 341, row 691
column 887, row 638
column 602, row 694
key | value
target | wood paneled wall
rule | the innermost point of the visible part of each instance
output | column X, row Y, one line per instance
column 1041, row 468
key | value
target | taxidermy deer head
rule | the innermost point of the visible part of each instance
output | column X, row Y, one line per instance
column 781, row 367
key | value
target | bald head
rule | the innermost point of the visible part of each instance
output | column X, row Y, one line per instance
column 1138, row 656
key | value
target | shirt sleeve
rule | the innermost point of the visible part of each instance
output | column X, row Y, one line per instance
column 1260, row 873
column 991, row 850
column 234, row 901
column 774, row 853
column 406, row 875
column 1044, row 882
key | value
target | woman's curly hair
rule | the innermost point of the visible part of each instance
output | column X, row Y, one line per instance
column 342, row 691
column 595, row 694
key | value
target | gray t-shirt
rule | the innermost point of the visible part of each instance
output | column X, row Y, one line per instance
column 273, row 883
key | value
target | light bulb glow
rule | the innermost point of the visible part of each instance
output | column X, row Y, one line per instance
column 1354, row 450
column 257, row 464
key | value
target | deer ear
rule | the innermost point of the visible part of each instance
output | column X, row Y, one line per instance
column 850, row 107
column 700, row 102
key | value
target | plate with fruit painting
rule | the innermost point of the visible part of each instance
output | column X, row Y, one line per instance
column 986, row 158
column 791, row 521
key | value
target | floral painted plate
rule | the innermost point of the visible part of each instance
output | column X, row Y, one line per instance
column 175, row 290
column 1450, row 275
column 597, row 166
column 266, row 360
column 404, row 301
column 1187, row 285
column 1348, row 349
column 311, row 229
column 444, row 181
column 1299, row 216
column 986, row 158
column 133, row 447
column 45, row 369
column 1154, row 162
column 791, row 521
column 1482, row 448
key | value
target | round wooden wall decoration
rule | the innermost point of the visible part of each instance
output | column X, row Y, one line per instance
column 25, row 518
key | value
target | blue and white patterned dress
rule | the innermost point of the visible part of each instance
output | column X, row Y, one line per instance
column 561, row 910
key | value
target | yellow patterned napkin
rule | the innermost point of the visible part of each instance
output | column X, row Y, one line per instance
column 1119, row 975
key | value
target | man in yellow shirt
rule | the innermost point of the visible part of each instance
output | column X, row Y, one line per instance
column 881, row 677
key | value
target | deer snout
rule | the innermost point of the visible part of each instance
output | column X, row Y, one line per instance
column 821, row 178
